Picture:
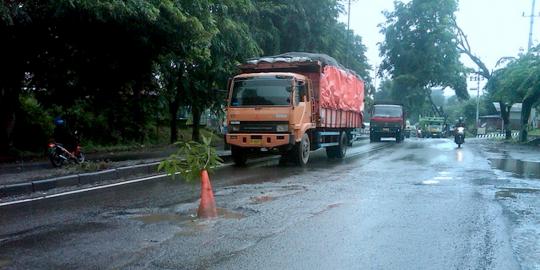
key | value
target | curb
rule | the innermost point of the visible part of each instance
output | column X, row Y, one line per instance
column 82, row 179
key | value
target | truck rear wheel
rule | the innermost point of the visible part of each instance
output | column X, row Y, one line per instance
column 338, row 151
column 239, row 155
column 302, row 150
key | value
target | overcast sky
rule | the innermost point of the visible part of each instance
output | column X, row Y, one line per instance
column 495, row 28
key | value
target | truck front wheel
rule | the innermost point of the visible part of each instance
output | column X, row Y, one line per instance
column 239, row 155
column 302, row 150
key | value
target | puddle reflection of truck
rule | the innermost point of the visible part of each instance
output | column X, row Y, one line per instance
column 387, row 121
column 292, row 104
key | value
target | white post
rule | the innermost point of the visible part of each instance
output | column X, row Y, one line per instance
column 477, row 100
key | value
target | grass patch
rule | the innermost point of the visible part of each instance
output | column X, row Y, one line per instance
column 92, row 166
column 183, row 135
column 535, row 132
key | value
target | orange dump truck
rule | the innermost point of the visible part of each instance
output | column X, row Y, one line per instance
column 292, row 104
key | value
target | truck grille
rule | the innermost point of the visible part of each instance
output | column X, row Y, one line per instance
column 260, row 126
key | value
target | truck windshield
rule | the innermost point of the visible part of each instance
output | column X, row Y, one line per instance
column 387, row 111
column 271, row 91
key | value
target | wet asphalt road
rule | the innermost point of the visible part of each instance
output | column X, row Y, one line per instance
column 422, row 204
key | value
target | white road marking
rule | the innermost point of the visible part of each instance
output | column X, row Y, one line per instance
column 81, row 190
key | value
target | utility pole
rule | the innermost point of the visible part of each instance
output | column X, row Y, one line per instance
column 531, row 25
column 348, row 33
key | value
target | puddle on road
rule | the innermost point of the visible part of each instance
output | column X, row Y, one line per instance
column 512, row 192
column 262, row 199
column 228, row 214
column 328, row 208
column 178, row 218
column 520, row 168
column 158, row 218
column 410, row 158
column 4, row 262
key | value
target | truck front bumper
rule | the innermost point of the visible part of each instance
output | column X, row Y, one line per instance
column 259, row 140
column 385, row 131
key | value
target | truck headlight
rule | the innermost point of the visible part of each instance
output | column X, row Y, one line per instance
column 235, row 128
column 282, row 128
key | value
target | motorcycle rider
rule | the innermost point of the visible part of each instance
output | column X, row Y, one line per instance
column 63, row 136
column 460, row 122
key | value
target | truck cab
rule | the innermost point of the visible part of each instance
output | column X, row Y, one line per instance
column 269, row 111
column 387, row 120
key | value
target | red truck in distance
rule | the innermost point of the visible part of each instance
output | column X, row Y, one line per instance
column 387, row 121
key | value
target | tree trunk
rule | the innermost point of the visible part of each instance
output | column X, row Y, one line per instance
column 174, row 105
column 528, row 102
column 138, row 112
column 525, row 113
column 9, row 102
column 505, row 114
column 196, row 113
column 173, row 113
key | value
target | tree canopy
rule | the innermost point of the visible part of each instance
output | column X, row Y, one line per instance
column 127, row 66
column 420, row 50
column 518, row 82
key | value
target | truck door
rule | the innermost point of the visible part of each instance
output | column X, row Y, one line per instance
column 302, row 107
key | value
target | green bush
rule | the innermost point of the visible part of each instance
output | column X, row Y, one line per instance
column 34, row 125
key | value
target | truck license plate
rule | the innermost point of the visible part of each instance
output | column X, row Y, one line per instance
column 256, row 141
column 386, row 129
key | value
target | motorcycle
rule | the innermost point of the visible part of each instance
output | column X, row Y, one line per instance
column 58, row 154
column 459, row 136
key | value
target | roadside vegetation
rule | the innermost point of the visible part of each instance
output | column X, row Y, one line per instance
column 120, row 71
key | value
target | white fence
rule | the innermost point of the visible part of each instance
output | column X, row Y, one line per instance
column 497, row 135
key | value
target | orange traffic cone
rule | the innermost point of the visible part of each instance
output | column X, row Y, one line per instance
column 207, row 207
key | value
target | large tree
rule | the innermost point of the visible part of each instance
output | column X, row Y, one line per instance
column 465, row 48
column 95, row 53
column 519, row 81
column 310, row 26
column 420, row 51
column 109, row 65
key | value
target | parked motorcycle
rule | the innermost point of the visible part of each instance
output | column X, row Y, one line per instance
column 459, row 136
column 58, row 155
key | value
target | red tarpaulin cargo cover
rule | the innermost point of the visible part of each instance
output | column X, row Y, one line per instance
column 341, row 90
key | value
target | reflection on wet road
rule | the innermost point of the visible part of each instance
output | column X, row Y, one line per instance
column 520, row 168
